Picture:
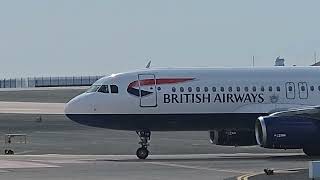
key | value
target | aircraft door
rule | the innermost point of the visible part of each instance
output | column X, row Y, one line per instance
column 290, row 90
column 303, row 90
column 147, row 90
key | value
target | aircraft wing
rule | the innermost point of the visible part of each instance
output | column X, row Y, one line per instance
column 31, row 108
column 308, row 112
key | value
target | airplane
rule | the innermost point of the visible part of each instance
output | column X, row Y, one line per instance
column 274, row 107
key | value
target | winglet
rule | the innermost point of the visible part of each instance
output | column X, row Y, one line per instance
column 148, row 65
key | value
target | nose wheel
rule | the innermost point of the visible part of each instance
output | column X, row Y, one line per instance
column 143, row 152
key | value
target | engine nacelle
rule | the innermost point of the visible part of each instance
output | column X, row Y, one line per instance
column 233, row 137
column 286, row 132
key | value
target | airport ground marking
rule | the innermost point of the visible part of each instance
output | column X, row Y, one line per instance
column 249, row 175
column 246, row 176
column 24, row 152
column 198, row 167
column 18, row 164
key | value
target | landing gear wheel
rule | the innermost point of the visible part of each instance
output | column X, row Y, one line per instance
column 8, row 151
column 142, row 153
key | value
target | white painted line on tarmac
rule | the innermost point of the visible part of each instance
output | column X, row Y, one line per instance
column 198, row 167
column 23, row 152
column 31, row 108
column 13, row 164
column 56, row 158
column 246, row 176
column 291, row 170
column 44, row 88
column 19, row 109
column 171, row 156
column 220, row 156
column 62, row 161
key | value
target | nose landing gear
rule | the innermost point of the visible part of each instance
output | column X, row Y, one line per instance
column 143, row 152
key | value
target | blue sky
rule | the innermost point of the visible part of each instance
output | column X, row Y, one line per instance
column 75, row 37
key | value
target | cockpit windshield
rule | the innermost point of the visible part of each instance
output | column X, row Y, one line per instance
column 103, row 89
column 93, row 88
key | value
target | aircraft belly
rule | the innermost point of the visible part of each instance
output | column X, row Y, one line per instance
column 169, row 122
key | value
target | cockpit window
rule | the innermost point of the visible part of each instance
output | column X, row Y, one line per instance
column 104, row 89
column 93, row 88
column 114, row 89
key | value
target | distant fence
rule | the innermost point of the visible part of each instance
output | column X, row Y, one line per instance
column 48, row 82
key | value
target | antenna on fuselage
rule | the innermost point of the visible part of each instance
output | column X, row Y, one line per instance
column 253, row 61
column 148, row 65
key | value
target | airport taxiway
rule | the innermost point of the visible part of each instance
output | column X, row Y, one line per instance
column 188, row 166
column 58, row 148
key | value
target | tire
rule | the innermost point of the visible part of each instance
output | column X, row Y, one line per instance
column 311, row 151
column 142, row 153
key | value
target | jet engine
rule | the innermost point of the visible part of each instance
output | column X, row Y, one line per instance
column 233, row 137
column 287, row 132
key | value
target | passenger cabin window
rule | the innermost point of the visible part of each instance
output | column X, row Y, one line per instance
column 262, row 88
column 238, row 88
column 312, row 88
column 246, row 89
column 222, row 89
column 181, row 89
column 206, row 89
column 114, row 89
column 104, row 89
column 278, row 88
column 189, row 89
column 214, row 89
column 254, row 89
column 230, row 89
column 270, row 88
column 173, row 89
column 93, row 88
column 198, row 89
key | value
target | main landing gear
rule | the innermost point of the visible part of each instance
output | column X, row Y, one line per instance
column 143, row 152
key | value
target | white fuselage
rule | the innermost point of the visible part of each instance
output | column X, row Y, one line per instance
column 199, row 91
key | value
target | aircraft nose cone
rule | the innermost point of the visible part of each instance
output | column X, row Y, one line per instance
column 75, row 105
column 70, row 107
column 80, row 105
